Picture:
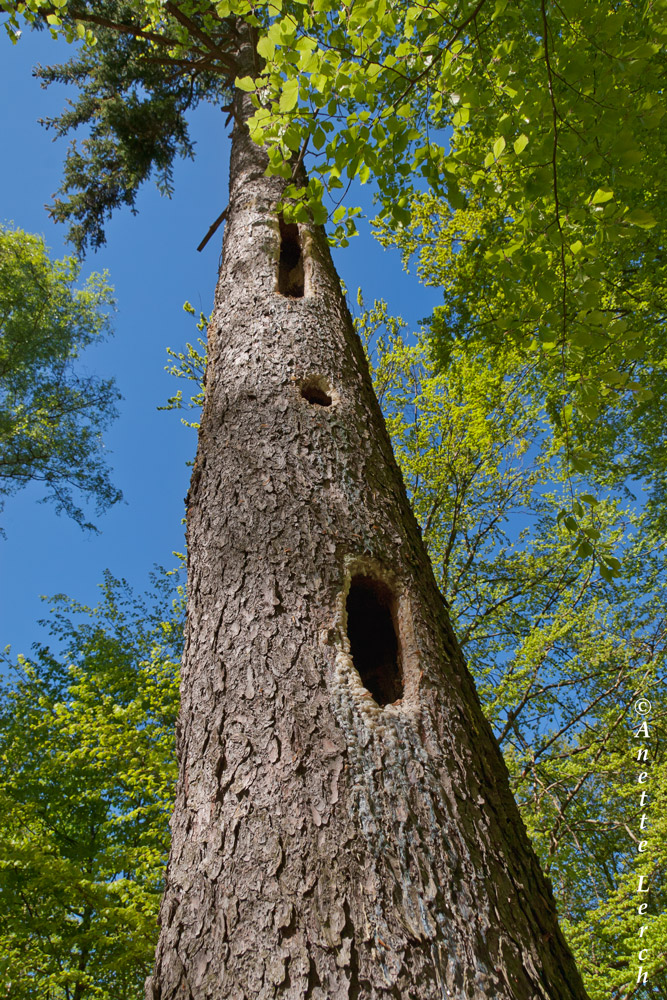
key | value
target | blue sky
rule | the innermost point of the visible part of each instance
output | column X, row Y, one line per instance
column 154, row 266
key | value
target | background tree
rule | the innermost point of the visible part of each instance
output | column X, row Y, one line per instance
column 51, row 412
column 559, row 653
column 621, row 441
column 87, row 771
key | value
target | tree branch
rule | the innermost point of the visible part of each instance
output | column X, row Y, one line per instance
column 196, row 31
column 213, row 228
column 88, row 17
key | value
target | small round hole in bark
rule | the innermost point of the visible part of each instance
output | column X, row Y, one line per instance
column 316, row 391
column 374, row 643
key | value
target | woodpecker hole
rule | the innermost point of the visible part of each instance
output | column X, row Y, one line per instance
column 374, row 643
column 290, row 262
column 316, row 391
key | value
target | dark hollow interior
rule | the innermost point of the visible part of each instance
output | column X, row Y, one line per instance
column 373, row 640
column 316, row 394
column 290, row 263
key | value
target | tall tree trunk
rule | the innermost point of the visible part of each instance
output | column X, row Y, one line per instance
column 344, row 826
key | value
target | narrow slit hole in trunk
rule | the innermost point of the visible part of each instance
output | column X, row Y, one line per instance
column 374, row 643
column 290, row 263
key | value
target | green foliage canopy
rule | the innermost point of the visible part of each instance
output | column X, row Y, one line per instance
column 518, row 153
column 51, row 414
column 618, row 438
column 528, row 140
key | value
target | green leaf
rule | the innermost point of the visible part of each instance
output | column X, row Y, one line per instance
column 640, row 217
column 602, row 195
column 318, row 213
column 245, row 83
column 266, row 48
column 289, row 95
column 499, row 147
column 520, row 144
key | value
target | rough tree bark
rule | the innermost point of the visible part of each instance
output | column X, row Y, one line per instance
column 328, row 842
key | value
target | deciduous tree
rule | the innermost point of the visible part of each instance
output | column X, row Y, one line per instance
column 87, row 771
column 51, row 413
